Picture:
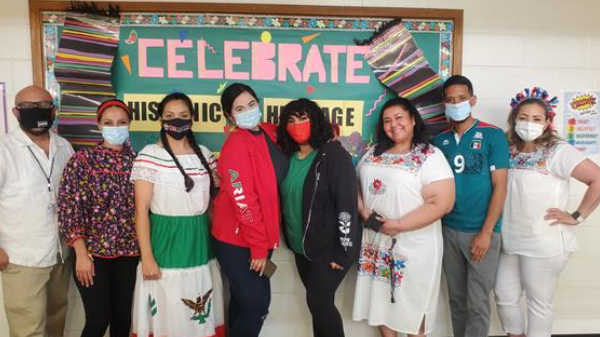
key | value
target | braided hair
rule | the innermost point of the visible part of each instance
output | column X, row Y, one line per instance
column 189, row 182
column 192, row 140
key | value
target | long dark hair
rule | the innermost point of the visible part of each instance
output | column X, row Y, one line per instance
column 321, row 130
column 189, row 182
column 231, row 93
column 420, row 135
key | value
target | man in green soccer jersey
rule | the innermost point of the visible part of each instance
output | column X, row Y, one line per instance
column 478, row 154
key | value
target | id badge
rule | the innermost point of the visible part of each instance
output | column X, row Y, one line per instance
column 52, row 207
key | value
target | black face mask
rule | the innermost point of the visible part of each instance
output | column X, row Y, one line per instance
column 177, row 128
column 36, row 120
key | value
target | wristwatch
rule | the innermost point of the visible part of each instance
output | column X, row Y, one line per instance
column 577, row 216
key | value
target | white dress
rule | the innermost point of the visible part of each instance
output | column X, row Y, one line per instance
column 392, row 186
column 187, row 301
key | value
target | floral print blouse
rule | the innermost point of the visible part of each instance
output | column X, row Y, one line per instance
column 96, row 202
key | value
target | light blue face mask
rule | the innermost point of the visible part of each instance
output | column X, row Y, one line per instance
column 115, row 135
column 248, row 119
column 458, row 112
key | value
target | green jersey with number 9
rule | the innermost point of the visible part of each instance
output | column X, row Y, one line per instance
column 472, row 157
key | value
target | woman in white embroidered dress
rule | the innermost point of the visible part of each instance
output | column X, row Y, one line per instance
column 537, row 230
column 410, row 186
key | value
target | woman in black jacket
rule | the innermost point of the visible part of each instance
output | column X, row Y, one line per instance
column 319, row 201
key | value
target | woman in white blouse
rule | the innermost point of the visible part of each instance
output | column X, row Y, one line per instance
column 538, row 227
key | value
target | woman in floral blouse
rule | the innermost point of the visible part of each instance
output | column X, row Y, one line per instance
column 96, row 217
column 540, row 220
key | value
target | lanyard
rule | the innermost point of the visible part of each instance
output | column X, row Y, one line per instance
column 42, row 169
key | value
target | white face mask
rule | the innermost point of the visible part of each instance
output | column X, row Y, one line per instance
column 458, row 112
column 529, row 131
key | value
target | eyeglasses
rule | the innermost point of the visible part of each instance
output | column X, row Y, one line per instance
column 32, row 105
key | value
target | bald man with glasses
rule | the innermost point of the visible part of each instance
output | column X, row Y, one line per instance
column 35, row 276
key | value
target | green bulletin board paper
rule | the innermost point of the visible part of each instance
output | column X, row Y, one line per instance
column 343, row 99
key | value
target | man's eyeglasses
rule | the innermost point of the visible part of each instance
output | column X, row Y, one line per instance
column 33, row 105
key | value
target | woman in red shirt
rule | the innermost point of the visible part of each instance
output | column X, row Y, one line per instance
column 246, row 211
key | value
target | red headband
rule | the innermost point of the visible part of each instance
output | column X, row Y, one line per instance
column 111, row 103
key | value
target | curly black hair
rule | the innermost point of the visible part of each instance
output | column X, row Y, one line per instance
column 420, row 135
column 321, row 130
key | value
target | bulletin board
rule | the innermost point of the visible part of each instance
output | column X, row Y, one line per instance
column 283, row 52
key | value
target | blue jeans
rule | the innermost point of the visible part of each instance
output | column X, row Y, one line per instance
column 250, row 293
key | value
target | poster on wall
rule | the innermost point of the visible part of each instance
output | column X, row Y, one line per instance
column 281, row 57
column 582, row 120
column 3, row 113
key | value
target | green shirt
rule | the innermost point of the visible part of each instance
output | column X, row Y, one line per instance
column 291, row 192
column 480, row 150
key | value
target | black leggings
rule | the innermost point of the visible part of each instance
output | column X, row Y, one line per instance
column 250, row 293
column 321, row 282
column 108, row 301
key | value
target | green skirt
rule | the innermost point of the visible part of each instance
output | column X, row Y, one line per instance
column 180, row 241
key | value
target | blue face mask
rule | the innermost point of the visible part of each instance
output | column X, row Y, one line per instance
column 248, row 119
column 115, row 135
column 458, row 112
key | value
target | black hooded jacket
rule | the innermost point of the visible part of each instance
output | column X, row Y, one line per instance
column 332, row 232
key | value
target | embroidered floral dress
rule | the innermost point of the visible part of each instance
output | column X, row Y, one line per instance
column 187, row 300
column 538, row 181
column 96, row 202
column 399, row 277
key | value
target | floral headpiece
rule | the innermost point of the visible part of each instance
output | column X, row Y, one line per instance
column 539, row 94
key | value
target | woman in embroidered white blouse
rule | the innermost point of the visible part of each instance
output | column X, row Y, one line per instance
column 538, row 229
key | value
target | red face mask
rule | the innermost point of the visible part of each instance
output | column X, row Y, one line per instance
column 300, row 133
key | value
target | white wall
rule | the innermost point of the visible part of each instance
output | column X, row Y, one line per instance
column 508, row 44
